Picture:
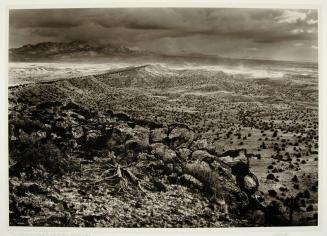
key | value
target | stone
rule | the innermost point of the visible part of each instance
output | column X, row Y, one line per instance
column 158, row 135
column 77, row 132
column 200, row 144
column 141, row 135
column 184, row 153
column 41, row 134
column 191, row 181
column 203, row 155
column 181, row 137
column 54, row 136
column 120, row 134
column 36, row 136
column 163, row 152
column 59, row 207
column 250, row 183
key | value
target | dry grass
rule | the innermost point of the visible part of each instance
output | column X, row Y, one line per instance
column 206, row 175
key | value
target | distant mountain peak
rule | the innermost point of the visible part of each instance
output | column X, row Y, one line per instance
column 73, row 49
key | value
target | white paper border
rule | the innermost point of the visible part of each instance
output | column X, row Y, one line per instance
column 321, row 229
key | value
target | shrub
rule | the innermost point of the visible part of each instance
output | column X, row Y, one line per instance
column 29, row 155
column 203, row 172
column 27, row 125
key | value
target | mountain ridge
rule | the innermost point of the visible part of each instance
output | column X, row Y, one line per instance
column 61, row 50
column 83, row 50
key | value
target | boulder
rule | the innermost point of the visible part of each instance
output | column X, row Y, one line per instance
column 141, row 134
column 203, row 155
column 233, row 160
column 202, row 144
column 138, row 142
column 190, row 181
column 250, row 183
column 184, row 153
column 158, row 135
column 120, row 134
column 181, row 137
column 163, row 152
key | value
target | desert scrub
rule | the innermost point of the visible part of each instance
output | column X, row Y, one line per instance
column 36, row 159
column 26, row 124
column 209, row 178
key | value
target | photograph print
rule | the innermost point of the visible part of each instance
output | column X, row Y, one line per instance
column 163, row 117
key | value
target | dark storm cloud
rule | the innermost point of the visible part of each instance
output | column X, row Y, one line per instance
column 133, row 25
column 278, row 38
column 43, row 18
column 143, row 27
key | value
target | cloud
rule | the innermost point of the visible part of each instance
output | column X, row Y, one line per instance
column 160, row 29
column 312, row 22
column 291, row 16
column 297, row 31
column 253, row 24
column 43, row 18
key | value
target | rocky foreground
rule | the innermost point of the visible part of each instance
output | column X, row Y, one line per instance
column 72, row 166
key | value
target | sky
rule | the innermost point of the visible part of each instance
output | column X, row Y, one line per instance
column 275, row 34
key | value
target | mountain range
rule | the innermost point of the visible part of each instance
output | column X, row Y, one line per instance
column 82, row 50
column 69, row 50
column 89, row 51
